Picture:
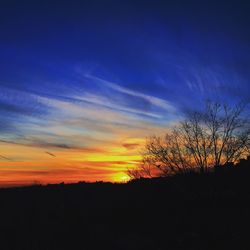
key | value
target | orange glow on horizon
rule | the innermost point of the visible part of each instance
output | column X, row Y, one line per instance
column 26, row 165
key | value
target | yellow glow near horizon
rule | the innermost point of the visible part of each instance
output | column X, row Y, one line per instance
column 27, row 165
column 120, row 177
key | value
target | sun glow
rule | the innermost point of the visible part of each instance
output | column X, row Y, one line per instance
column 121, row 177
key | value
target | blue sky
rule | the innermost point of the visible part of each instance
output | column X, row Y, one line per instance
column 78, row 75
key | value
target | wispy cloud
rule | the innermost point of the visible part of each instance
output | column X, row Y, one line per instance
column 84, row 129
column 151, row 99
column 105, row 102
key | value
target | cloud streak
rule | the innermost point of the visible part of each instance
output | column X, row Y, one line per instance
column 163, row 104
column 91, row 133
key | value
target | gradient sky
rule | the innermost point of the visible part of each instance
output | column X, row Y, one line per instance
column 82, row 83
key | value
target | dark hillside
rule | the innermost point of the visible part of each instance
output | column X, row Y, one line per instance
column 209, row 211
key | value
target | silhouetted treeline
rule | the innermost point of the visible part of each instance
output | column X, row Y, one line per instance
column 214, row 135
column 187, row 211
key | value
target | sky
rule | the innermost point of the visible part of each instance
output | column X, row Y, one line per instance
column 83, row 83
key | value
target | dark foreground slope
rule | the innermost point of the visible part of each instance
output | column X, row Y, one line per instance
column 210, row 211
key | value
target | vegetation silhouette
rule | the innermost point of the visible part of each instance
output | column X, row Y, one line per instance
column 218, row 134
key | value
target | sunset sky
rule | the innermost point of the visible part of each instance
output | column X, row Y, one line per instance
column 83, row 83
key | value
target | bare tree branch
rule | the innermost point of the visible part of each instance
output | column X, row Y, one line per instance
column 216, row 136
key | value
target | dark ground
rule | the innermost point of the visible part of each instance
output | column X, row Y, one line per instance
column 193, row 211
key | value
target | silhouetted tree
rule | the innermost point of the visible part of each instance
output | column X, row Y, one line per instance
column 144, row 170
column 134, row 173
column 218, row 135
